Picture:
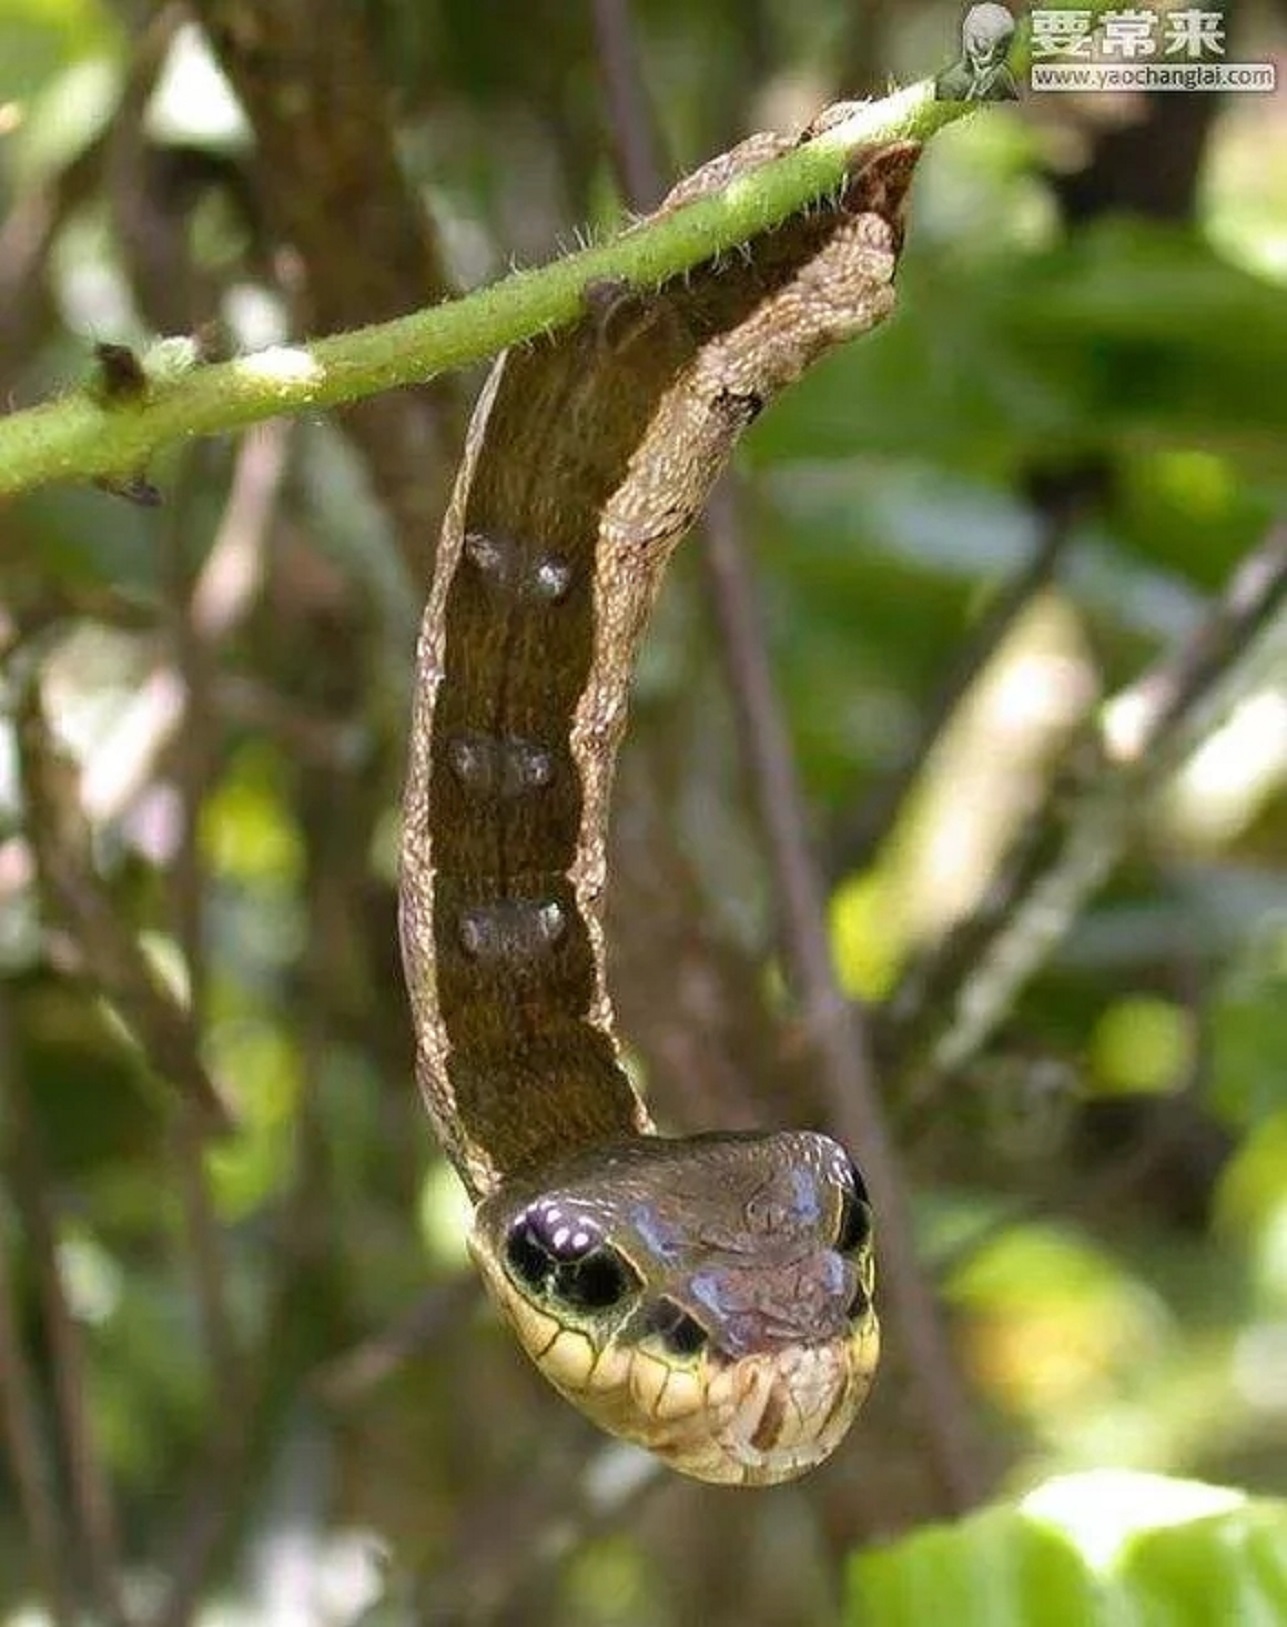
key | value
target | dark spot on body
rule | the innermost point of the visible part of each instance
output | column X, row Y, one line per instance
column 513, row 928
column 739, row 410
column 681, row 1333
column 520, row 571
column 599, row 1281
column 499, row 767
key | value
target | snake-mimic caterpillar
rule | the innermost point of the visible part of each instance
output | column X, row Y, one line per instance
column 710, row 1297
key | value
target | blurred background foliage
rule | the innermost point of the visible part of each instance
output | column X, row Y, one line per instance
column 246, row 1376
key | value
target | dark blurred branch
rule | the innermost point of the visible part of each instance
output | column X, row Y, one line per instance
column 835, row 1027
column 1089, row 817
column 327, row 170
column 1160, row 1137
column 222, row 1481
column 29, row 1464
column 632, row 125
column 1147, row 163
column 862, row 834
column 510, row 1547
column 1189, row 691
column 864, row 50
column 194, row 764
column 220, row 1495
column 317, row 741
column 348, row 1377
column 692, row 1001
column 689, row 991
column 60, row 840
column 29, row 229
column 27, row 234
column 152, row 191
column 97, row 1542
column 219, row 1501
column 266, row 1385
column 222, row 596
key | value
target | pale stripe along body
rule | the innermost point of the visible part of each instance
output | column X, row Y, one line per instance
column 589, row 455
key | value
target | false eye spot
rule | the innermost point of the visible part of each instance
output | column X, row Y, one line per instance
column 527, row 1257
column 568, row 1260
column 596, row 1283
column 682, row 1334
column 854, row 1228
column 855, row 1181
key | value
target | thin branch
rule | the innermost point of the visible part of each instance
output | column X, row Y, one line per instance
column 29, row 1463
column 1186, row 694
column 118, row 767
column 507, row 1550
column 220, row 1494
column 60, row 839
column 215, row 1495
column 836, row 1027
column 326, row 150
column 349, row 1377
column 195, row 758
column 218, row 1498
column 689, row 991
column 255, row 1383
column 632, row 123
column 1089, row 818
column 84, row 436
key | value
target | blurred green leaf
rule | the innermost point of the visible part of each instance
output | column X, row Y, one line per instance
column 1097, row 1550
column 41, row 37
column 1127, row 333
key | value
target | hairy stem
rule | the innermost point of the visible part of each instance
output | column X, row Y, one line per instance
column 87, row 435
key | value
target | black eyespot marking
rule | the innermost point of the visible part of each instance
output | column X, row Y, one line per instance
column 527, row 1256
column 854, row 1228
column 601, row 1280
column 682, row 1334
column 564, row 1254
column 856, row 1182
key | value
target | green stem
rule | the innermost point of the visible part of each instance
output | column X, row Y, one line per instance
column 86, row 435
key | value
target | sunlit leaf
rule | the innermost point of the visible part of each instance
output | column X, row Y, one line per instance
column 1094, row 1550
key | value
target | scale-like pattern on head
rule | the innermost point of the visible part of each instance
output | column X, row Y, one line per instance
column 709, row 1298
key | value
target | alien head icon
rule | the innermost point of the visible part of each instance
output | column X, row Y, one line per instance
column 981, row 74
